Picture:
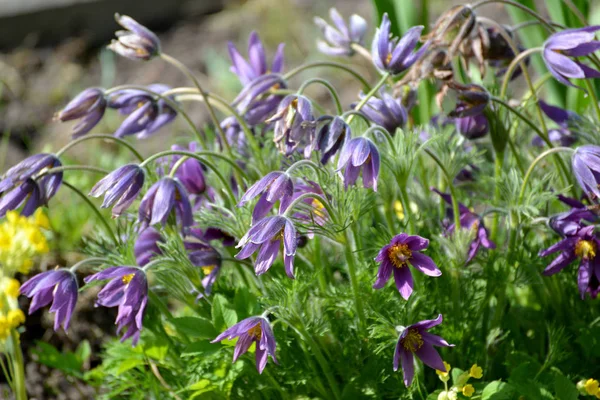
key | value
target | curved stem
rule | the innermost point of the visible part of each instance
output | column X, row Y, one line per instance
column 525, row 24
column 72, row 168
column 317, row 64
column 315, row 196
column 349, row 251
column 369, row 95
column 517, row 61
column 534, row 163
column 592, row 93
column 86, row 261
column 358, row 114
column 455, row 208
column 302, row 163
column 100, row 136
column 547, row 24
column 334, row 96
column 385, row 134
column 362, row 51
column 95, row 210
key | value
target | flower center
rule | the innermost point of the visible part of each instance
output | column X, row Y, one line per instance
column 399, row 254
column 207, row 269
column 388, row 58
column 319, row 208
column 255, row 331
column 412, row 341
column 127, row 278
column 585, row 249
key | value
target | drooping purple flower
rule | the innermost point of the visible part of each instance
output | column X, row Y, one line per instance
column 273, row 187
column 474, row 127
column 566, row 120
column 166, row 195
column 266, row 237
column 586, row 168
column 191, row 172
column 204, row 256
column 88, row 106
column 29, row 193
column 396, row 55
column 387, row 112
column 120, row 188
column 31, row 167
column 252, row 330
column 331, row 137
column 416, row 341
column 562, row 47
column 128, row 290
column 470, row 220
column 58, row 286
column 360, row 153
column 569, row 222
column 394, row 257
column 584, row 245
column 294, row 125
column 146, row 246
column 339, row 39
column 137, row 42
column 256, row 65
column 255, row 102
column 460, row 100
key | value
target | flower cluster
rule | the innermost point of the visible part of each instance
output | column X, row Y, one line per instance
column 22, row 239
column 460, row 382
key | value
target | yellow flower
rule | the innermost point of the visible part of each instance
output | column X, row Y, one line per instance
column 444, row 376
column 21, row 240
column 476, row 371
column 468, row 390
column 591, row 386
column 4, row 328
column 398, row 209
column 15, row 318
column 12, row 288
column 40, row 219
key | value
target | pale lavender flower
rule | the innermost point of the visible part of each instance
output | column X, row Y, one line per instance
column 256, row 65
column 339, row 38
column 586, row 168
column 146, row 246
column 273, row 187
column 331, row 137
column 137, row 42
column 294, row 125
column 387, row 112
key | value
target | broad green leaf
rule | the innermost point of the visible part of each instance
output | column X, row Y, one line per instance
column 223, row 316
column 201, row 348
column 195, row 327
column 564, row 388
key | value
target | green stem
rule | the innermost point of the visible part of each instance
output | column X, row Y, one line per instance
column 86, row 261
column 532, row 166
column 592, row 93
column 498, row 163
column 19, row 368
column 302, row 163
column 334, row 96
column 369, row 95
column 72, row 168
column 315, row 196
column 323, row 274
column 100, row 136
column 318, row 64
column 519, row 60
column 455, row 208
column 547, row 24
column 406, row 205
column 349, row 250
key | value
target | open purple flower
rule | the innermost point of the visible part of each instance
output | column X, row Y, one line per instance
column 88, row 106
column 387, row 112
column 266, row 237
column 360, row 153
column 338, row 40
column 331, row 138
column 561, row 47
column 395, row 257
column 256, row 65
column 294, row 125
column 395, row 55
column 120, row 188
column 566, row 121
column 252, row 330
column 272, row 187
column 416, row 341
column 146, row 246
column 57, row 286
column 474, row 127
column 166, row 195
column 128, row 290
column 137, row 42
column 586, row 167
column 584, row 245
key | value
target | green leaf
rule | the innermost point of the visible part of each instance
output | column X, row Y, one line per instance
column 195, row 327
column 498, row 390
column 565, row 389
column 200, row 348
column 126, row 365
column 244, row 302
column 66, row 361
column 83, row 352
column 223, row 315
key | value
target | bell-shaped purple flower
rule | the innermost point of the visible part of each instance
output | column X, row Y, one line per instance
column 255, row 101
column 562, row 47
column 360, row 153
column 28, row 193
column 128, row 290
column 266, row 237
column 416, row 341
column 339, row 38
column 58, row 286
column 256, row 65
column 331, row 137
column 396, row 55
column 252, row 330
column 387, row 112
column 120, row 188
column 474, row 127
column 137, row 42
column 566, row 120
column 191, row 172
column 294, row 126
column 29, row 168
column 273, row 187
column 88, row 106
column 166, row 195
column 586, row 167
column 394, row 257
column 146, row 246
column 204, row 256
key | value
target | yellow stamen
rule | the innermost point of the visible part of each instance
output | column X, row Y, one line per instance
column 319, row 208
column 255, row 331
column 412, row 341
column 585, row 249
column 207, row 269
column 388, row 58
column 399, row 254
column 127, row 278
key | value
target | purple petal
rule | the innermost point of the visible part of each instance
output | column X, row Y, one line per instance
column 424, row 264
column 404, row 281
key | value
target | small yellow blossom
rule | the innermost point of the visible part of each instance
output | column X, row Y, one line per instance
column 40, row 219
column 468, row 390
column 4, row 328
column 591, row 386
column 21, row 240
column 476, row 371
column 444, row 376
column 398, row 209
column 15, row 318
column 12, row 287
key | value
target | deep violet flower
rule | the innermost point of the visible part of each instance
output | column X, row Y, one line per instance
column 294, row 125
column 57, row 286
column 569, row 222
column 416, row 341
column 146, row 246
column 561, row 47
column 255, row 102
column 395, row 257
column 339, row 39
column 360, row 153
column 395, row 55
column 137, row 42
column 474, row 127
column 586, row 168
column 387, row 112
column 252, row 330
column 256, row 65
column 120, row 188
column 566, row 121
column 204, row 256
column 28, row 193
column 191, row 172
column 88, row 106
column 583, row 245
column 266, row 237
column 166, row 195
column 272, row 187
column 316, row 212
column 128, row 290
column 331, row 137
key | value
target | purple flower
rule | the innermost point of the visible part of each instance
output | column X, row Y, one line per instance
column 257, row 66
column 137, row 42
column 565, row 119
column 569, row 222
column 146, row 246
column 191, row 172
column 470, row 220
column 128, row 290
column 120, row 188
column 571, row 43
column 316, row 213
column 29, row 168
column 584, row 245
column 332, row 137
column 57, row 286
column 29, row 192
column 360, row 153
column 255, row 102
column 166, row 195
column 416, row 341
column 294, row 125
column 235, row 136
column 386, row 112
column 272, row 187
column 89, row 106
column 252, row 330
column 266, row 237
column 339, row 39
column 395, row 257
column 467, row 100
column 586, row 167
column 474, row 127
column 204, row 256
column 396, row 55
